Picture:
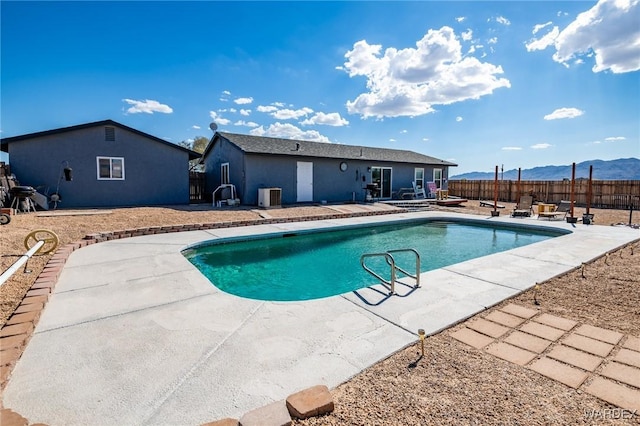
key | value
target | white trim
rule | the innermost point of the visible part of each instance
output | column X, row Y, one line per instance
column 382, row 181
column 438, row 182
column 224, row 176
column 416, row 179
column 111, row 168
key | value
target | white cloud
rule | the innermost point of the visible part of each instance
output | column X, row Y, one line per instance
column 615, row 139
column 502, row 20
column 392, row 140
column 289, row 131
column 538, row 27
column 266, row 108
column 245, row 123
column 195, row 127
column 425, row 139
column 460, row 18
column 243, row 101
column 331, row 119
column 147, row 106
column 287, row 114
column 245, row 112
column 458, row 119
column 467, row 35
column 226, row 92
column 278, row 104
column 403, row 131
column 233, row 110
column 564, row 113
column 543, row 42
column 218, row 119
column 410, row 81
column 511, row 148
column 541, row 146
column 610, row 31
column 493, row 40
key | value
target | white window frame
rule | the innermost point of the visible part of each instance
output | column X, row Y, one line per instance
column 437, row 180
column 111, row 159
column 224, row 174
column 381, row 170
column 418, row 180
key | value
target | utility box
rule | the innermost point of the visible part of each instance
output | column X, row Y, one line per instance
column 269, row 197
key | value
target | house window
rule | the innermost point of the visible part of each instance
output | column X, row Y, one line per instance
column 110, row 134
column 224, row 173
column 418, row 177
column 437, row 177
column 110, row 168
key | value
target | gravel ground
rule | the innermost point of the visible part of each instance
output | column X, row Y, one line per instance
column 453, row 383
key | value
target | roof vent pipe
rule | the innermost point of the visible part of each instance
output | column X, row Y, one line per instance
column 297, row 146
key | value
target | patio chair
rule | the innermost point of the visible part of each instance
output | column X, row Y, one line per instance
column 524, row 207
column 560, row 211
column 433, row 188
column 418, row 193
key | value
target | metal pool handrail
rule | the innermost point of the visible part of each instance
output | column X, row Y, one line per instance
column 392, row 263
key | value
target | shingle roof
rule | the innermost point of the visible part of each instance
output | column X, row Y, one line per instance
column 5, row 141
column 277, row 146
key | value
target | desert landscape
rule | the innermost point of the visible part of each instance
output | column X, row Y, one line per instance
column 453, row 383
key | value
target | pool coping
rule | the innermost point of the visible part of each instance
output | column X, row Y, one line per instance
column 392, row 317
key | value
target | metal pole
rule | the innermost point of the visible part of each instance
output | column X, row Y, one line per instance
column 589, row 189
column 23, row 259
column 495, row 191
column 573, row 186
column 518, row 187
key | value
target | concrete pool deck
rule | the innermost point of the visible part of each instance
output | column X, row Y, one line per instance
column 134, row 334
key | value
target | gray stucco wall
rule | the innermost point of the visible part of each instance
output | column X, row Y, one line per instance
column 249, row 172
column 224, row 152
column 329, row 182
column 155, row 173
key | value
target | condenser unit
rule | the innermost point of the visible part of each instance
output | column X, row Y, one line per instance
column 269, row 197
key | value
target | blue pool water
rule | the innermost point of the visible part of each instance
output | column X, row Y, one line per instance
column 320, row 264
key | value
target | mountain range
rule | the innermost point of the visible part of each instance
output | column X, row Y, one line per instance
column 620, row 169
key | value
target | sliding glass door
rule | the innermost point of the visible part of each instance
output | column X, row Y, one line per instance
column 382, row 177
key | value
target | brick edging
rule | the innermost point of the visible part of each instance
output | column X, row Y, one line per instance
column 17, row 331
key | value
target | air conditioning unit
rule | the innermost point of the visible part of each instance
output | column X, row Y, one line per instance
column 269, row 197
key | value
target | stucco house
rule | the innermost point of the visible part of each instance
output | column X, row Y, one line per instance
column 110, row 165
column 307, row 171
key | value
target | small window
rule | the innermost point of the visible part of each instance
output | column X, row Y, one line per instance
column 418, row 177
column 110, row 168
column 110, row 134
column 224, row 173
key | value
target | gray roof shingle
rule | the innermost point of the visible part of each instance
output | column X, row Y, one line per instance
column 278, row 146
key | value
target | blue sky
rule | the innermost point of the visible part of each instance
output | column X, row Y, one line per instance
column 519, row 84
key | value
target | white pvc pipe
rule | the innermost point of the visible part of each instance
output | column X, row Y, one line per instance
column 23, row 259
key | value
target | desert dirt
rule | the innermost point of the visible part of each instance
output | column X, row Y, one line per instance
column 453, row 383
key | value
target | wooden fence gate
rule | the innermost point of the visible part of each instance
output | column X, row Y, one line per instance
column 196, row 187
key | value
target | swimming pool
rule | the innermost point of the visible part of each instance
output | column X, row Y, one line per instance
column 303, row 266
